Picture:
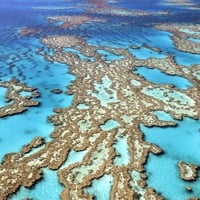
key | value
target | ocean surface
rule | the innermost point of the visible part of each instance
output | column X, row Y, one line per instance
column 19, row 58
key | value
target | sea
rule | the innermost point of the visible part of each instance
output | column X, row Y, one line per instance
column 19, row 58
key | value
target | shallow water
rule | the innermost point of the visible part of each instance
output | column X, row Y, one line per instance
column 180, row 143
column 158, row 77
column 144, row 53
column 109, row 125
column 101, row 187
column 23, row 129
column 161, row 115
column 43, row 189
column 31, row 68
column 194, row 40
column 122, row 149
column 74, row 157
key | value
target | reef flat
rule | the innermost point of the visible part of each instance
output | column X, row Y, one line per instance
column 110, row 103
column 17, row 102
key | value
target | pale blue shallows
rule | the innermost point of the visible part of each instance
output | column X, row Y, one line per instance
column 48, row 188
column 161, row 115
column 74, row 157
column 121, row 148
column 194, row 40
column 2, row 96
column 101, row 188
column 158, row 77
column 180, row 143
column 109, row 125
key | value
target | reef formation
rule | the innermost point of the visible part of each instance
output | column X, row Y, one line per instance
column 110, row 102
column 17, row 103
column 105, row 92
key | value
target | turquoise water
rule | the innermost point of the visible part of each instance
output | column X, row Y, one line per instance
column 22, row 129
column 2, row 96
column 173, row 139
column 74, row 157
column 122, row 149
column 164, row 177
column 82, row 106
column 158, row 77
column 101, row 187
column 48, row 188
column 145, row 53
column 109, row 56
column 180, row 143
column 32, row 69
column 186, row 59
column 194, row 40
column 109, row 125
column 161, row 115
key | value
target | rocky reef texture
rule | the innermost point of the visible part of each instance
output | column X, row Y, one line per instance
column 36, row 142
column 60, row 42
column 188, row 172
column 68, row 21
column 121, row 11
column 104, row 91
column 27, row 31
column 105, row 8
column 14, row 101
column 56, row 91
column 182, row 35
column 186, row 4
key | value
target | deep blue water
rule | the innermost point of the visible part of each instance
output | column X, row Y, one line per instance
column 179, row 143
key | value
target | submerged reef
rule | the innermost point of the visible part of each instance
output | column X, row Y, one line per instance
column 105, row 92
column 104, row 7
column 188, row 172
column 68, row 21
column 27, row 31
